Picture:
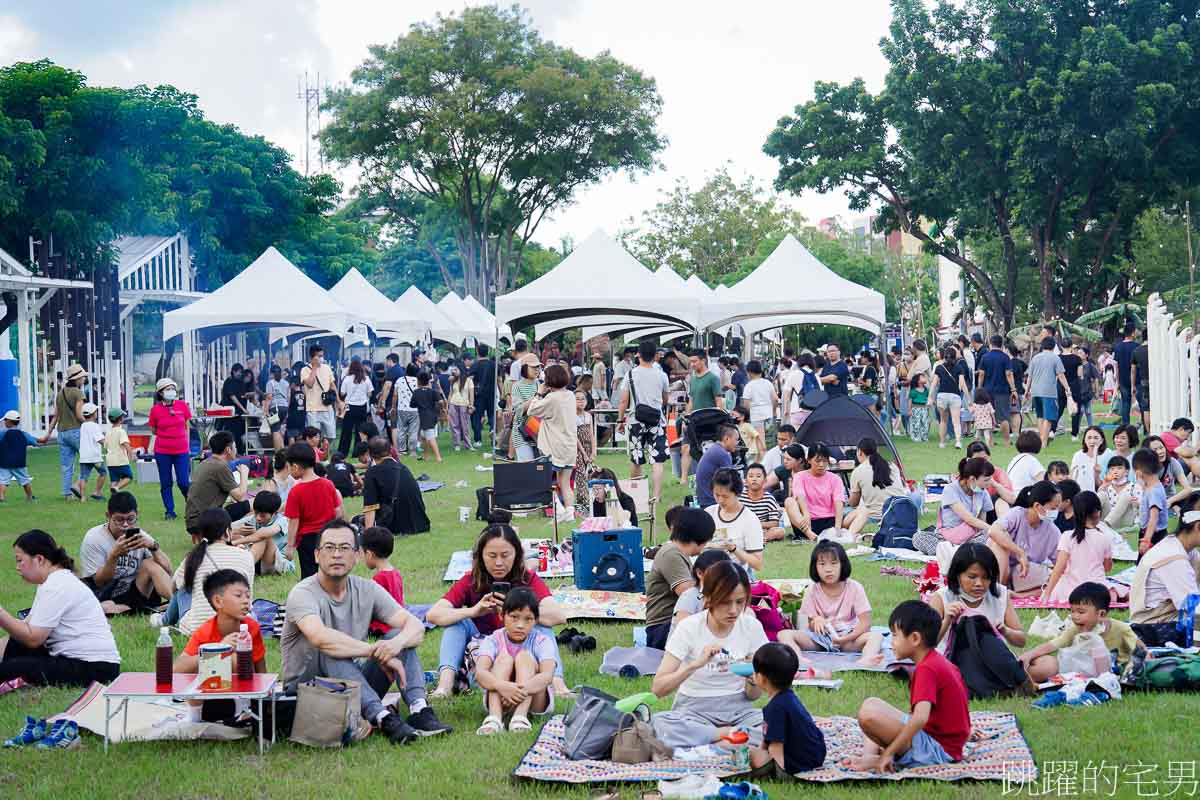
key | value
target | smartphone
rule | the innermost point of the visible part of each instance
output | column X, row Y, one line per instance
column 132, row 533
column 501, row 588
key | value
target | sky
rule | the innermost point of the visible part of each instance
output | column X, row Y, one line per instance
column 726, row 71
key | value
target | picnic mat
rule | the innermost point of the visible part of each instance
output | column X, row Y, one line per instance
column 592, row 604
column 148, row 721
column 1035, row 601
column 430, row 486
column 998, row 751
column 460, row 563
column 850, row 662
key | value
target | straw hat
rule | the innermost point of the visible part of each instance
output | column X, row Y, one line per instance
column 163, row 383
column 76, row 371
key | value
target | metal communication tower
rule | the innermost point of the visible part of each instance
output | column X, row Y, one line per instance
column 310, row 94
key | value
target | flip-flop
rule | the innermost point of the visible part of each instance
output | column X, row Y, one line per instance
column 519, row 724
column 491, row 726
column 75, row 492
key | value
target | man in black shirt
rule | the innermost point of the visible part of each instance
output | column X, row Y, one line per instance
column 1123, row 353
column 835, row 375
column 483, row 375
column 391, row 495
column 231, row 395
column 1140, row 378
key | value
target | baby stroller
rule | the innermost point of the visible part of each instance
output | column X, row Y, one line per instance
column 700, row 429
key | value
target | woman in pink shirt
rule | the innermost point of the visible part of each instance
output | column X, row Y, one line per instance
column 169, row 423
column 823, row 492
column 1084, row 554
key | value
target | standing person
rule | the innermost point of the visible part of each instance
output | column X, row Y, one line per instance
column 461, row 406
column 408, row 419
column 704, row 387
column 232, row 390
column 1073, row 370
column 599, row 377
column 918, row 413
column 620, row 371
column 835, row 375
column 118, row 452
column 1089, row 383
column 520, row 447
column 68, row 417
column 169, row 420
column 1139, row 376
column 1123, row 355
column 968, row 356
column 1046, row 374
column 868, row 382
column 761, row 396
column 297, row 416
column 802, row 381
column 320, row 394
column 557, row 438
column 921, row 365
column 1019, row 368
column 355, row 393
column 483, row 375
column 585, row 454
column 14, row 444
column 91, row 457
column 385, row 400
column 277, row 394
column 645, row 386
column 425, row 401
column 951, row 385
column 994, row 372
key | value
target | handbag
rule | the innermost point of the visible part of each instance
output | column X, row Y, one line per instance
column 530, row 428
column 328, row 396
column 635, row 743
column 327, row 713
column 987, row 666
column 646, row 415
column 591, row 726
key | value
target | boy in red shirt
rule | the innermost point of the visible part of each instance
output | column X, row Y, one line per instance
column 311, row 502
column 940, row 722
column 229, row 595
column 377, row 545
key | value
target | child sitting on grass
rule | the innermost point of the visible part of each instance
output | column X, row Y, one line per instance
column 1089, row 614
column 377, row 543
column 265, row 532
column 793, row 741
column 514, row 667
column 1057, row 471
column 1084, row 554
column 228, row 592
column 939, row 722
column 1120, row 496
column 838, row 612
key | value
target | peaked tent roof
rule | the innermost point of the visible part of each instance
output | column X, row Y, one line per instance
column 370, row 305
column 270, row 291
column 489, row 319
column 791, row 287
column 598, row 278
column 414, row 302
column 453, row 307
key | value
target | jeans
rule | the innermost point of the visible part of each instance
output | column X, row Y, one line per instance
column 373, row 682
column 456, row 637
column 408, row 430
column 180, row 604
column 181, row 464
column 354, row 419
column 68, row 451
column 1126, row 393
column 483, row 406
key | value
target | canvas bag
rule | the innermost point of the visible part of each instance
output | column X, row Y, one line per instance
column 328, row 712
column 988, row 667
column 590, row 727
column 1087, row 655
column 635, row 743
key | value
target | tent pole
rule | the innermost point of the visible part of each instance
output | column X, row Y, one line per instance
column 496, row 389
column 881, row 359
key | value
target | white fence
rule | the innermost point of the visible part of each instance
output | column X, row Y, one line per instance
column 1174, row 367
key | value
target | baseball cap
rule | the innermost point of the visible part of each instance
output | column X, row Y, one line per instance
column 115, row 414
column 12, row 415
column 89, row 409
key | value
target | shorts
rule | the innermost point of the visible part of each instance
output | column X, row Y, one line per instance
column 323, row 421
column 947, row 401
column 130, row 597
column 18, row 474
column 483, row 693
column 86, row 470
column 1046, row 408
column 429, row 433
column 643, row 440
column 822, row 524
column 1142, row 393
column 924, row 751
column 121, row 473
column 1001, row 406
column 281, row 567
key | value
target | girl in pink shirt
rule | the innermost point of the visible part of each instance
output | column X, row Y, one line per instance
column 823, row 492
column 838, row 612
column 1084, row 554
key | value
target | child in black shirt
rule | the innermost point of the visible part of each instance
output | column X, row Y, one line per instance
column 425, row 401
column 343, row 475
column 793, row 741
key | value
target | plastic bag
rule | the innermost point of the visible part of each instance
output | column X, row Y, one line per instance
column 1087, row 655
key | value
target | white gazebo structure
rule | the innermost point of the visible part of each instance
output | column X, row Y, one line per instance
column 388, row 320
column 414, row 302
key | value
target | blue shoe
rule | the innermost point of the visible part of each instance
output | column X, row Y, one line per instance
column 1089, row 699
column 34, row 731
column 64, row 735
column 1051, row 699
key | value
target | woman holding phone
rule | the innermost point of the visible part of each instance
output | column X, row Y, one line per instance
column 472, row 605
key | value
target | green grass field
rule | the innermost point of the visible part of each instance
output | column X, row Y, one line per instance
column 1147, row 729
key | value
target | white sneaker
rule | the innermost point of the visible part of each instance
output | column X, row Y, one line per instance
column 156, row 619
column 942, row 445
column 691, row 786
column 1074, row 438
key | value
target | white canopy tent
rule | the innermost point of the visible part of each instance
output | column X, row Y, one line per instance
column 389, row 320
column 465, row 319
column 415, row 303
column 489, row 319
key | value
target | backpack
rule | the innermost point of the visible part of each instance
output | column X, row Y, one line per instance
column 898, row 524
column 988, row 667
column 613, row 574
column 589, row 727
column 1178, row 672
column 809, row 383
column 764, row 602
column 485, row 498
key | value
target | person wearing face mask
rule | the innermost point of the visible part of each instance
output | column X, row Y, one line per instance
column 169, row 420
column 973, row 588
column 1025, row 540
column 963, row 508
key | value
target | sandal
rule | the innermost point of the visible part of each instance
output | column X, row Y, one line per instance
column 519, row 724
column 491, row 726
column 440, row 694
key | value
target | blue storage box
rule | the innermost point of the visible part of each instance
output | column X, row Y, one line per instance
column 590, row 551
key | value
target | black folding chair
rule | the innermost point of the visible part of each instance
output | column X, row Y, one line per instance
column 525, row 486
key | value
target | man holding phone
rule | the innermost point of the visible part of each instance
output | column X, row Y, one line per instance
column 121, row 563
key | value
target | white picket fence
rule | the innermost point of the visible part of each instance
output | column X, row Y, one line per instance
column 1174, row 367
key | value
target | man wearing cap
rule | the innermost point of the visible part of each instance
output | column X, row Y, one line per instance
column 68, row 417
column 13, row 444
column 317, row 378
column 169, row 420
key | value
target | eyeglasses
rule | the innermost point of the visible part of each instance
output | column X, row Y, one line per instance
column 122, row 520
column 337, row 549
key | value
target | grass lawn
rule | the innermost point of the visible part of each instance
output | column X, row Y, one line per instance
column 1142, row 728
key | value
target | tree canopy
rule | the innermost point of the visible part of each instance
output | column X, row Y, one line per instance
column 477, row 115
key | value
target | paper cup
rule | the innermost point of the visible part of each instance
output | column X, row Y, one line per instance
column 464, row 514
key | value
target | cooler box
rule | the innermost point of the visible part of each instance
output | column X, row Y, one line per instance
column 605, row 558
column 145, row 471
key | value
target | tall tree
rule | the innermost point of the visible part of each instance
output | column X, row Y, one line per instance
column 477, row 113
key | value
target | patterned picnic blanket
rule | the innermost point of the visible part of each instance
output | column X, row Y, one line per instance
column 591, row 604
column 998, row 751
column 1034, row 601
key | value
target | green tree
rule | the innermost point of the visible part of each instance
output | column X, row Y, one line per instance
column 477, row 113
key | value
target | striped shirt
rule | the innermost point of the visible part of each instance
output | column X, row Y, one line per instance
column 766, row 508
column 217, row 556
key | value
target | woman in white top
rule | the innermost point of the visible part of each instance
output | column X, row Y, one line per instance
column 738, row 530
column 275, row 402
column 212, row 553
column 1086, row 464
column 356, row 391
column 65, row 639
column 711, row 699
column 1025, row 469
column 1166, row 575
column 554, row 405
column 761, row 397
column 973, row 588
column 872, row 483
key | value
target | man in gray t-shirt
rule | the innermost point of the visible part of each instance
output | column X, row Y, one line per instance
column 325, row 634
column 1045, row 370
column 646, row 385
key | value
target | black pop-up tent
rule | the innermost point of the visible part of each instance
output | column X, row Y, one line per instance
column 840, row 422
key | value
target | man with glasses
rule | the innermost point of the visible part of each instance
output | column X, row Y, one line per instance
column 325, row 634
column 123, row 565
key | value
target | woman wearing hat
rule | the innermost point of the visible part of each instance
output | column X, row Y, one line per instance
column 169, row 423
column 68, row 417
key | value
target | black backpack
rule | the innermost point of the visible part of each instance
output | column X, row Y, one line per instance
column 613, row 574
column 898, row 524
column 484, row 500
column 988, row 667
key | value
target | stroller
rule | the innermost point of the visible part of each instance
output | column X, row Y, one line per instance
column 700, row 429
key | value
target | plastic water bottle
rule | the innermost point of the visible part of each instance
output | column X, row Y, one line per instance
column 164, row 655
column 245, row 660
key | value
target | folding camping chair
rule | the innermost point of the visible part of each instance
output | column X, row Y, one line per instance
column 525, row 486
column 639, row 490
